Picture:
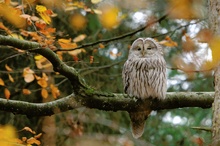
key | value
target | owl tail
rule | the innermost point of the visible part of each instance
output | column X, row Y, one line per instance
column 138, row 122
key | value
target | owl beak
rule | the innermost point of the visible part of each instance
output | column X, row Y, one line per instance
column 143, row 53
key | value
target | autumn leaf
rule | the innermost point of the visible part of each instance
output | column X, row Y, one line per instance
column 2, row 83
column 8, row 135
column 28, row 75
column 76, row 52
column 12, row 15
column 42, row 81
column 44, row 93
column 67, row 44
column 7, row 93
column 44, row 13
column 55, row 91
column 91, row 59
column 38, row 136
column 95, row 1
column 2, row 26
column 184, row 9
column 29, row 130
column 214, row 46
column 79, row 38
column 26, row 91
column 204, row 36
column 168, row 42
column 8, row 68
column 33, row 140
column 110, row 16
column 78, row 21
column 101, row 46
column 11, row 78
column 188, row 44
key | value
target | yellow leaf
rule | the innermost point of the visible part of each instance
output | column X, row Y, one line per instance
column 42, row 11
column 7, row 93
column 11, row 78
column 8, row 135
column 38, row 57
column 110, row 16
column 2, row 83
column 26, row 91
column 44, row 93
column 17, row 36
column 95, row 1
column 12, row 15
column 28, row 75
column 79, row 38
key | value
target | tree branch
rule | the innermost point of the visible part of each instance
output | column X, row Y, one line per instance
column 117, row 37
column 115, row 102
column 88, row 97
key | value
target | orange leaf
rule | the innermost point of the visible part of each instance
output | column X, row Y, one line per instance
column 91, row 59
column 101, row 46
column 2, row 26
column 66, row 44
column 55, row 91
column 32, row 140
column 78, row 21
column 38, row 136
column 28, row 75
column 42, row 82
column 8, row 68
column 26, row 91
column 11, row 78
column 7, row 93
column 44, row 93
column 168, row 42
column 2, row 83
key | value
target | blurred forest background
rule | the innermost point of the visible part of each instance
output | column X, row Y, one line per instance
column 64, row 25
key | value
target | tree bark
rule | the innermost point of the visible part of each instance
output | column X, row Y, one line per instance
column 214, row 23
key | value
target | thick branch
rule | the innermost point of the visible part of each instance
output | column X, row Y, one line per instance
column 115, row 102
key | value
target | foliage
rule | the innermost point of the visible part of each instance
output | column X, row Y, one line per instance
column 71, row 29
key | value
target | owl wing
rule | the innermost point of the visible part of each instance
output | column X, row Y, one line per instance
column 125, row 75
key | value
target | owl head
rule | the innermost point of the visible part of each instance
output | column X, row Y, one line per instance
column 145, row 47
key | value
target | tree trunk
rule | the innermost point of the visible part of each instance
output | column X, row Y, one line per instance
column 214, row 23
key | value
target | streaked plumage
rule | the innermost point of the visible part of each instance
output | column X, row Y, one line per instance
column 144, row 76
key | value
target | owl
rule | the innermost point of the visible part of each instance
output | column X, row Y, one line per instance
column 144, row 76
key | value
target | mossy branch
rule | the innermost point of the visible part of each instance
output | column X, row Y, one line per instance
column 85, row 96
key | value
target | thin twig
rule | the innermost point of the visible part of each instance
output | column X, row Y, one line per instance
column 118, row 37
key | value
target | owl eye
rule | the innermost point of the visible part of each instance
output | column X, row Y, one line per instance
column 149, row 48
column 139, row 49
